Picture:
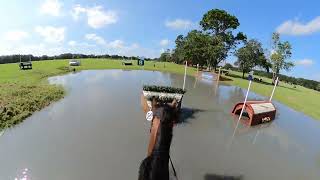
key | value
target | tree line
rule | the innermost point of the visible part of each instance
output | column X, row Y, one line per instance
column 311, row 84
column 23, row 58
column 218, row 38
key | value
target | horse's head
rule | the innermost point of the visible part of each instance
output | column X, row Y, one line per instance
column 167, row 112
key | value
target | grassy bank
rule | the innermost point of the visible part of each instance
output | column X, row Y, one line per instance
column 24, row 92
column 298, row 98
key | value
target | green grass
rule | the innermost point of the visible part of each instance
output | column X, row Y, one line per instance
column 299, row 98
column 24, row 92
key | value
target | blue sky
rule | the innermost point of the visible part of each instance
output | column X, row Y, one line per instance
column 145, row 27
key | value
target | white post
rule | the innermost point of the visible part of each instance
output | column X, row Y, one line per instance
column 218, row 79
column 197, row 69
column 244, row 105
column 274, row 88
column 185, row 74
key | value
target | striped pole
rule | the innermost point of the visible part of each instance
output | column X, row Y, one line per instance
column 244, row 104
column 219, row 74
column 185, row 74
column 274, row 88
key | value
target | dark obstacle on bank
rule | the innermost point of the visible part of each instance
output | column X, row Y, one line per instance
column 25, row 65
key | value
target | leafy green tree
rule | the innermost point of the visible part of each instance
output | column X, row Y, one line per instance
column 220, row 26
column 196, row 47
column 178, row 54
column 281, row 52
column 228, row 66
column 318, row 87
column 264, row 62
column 165, row 56
column 249, row 56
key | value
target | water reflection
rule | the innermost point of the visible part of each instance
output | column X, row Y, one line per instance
column 98, row 131
column 25, row 174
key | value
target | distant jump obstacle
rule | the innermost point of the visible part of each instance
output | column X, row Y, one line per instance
column 25, row 65
column 127, row 62
column 256, row 112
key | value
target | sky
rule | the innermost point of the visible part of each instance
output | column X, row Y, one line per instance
column 147, row 28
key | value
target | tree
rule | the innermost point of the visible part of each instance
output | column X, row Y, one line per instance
column 318, row 87
column 165, row 56
column 220, row 26
column 281, row 52
column 228, row 66
column 178, row 54
column 264, row 62
column 197, row 48
column 249, row 56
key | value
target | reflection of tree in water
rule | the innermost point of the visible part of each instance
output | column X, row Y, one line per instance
column 176, row 80
column 235, row 95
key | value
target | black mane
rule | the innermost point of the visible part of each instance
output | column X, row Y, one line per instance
column 156, row 166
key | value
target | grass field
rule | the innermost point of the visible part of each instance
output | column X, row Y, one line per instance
column 24, row 92
column 299, row 98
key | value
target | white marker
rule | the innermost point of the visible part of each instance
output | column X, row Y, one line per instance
column 274, row 88
column 185, row 74
column 149, row 116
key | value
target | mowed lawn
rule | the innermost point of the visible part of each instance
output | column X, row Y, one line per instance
column 42, row 69
column 23, row 92
column 299, row 98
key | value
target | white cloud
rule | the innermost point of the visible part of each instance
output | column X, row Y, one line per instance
column 72, row 43
column 120, row 47
column 51, row 7
column 116, row 44
column 97, row 17
column 179, row 24
column 80, row 47
column 294, row 27
column 51, row 34
column 35, row 49
column 16, row 35
column 164, row 42
column 304, row 62
column 96, row 38
column 162, row 50
column 77, row 10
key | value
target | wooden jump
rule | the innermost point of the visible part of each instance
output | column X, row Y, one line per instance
column 257, row 112
column 25, row 65
column 127, row 63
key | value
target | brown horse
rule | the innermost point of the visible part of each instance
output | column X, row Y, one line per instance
column 156, row 165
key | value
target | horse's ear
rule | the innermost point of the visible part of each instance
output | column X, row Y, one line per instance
column 173, row 103
column 154, row 103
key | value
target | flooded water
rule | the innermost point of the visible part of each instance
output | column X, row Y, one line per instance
column 98, row 131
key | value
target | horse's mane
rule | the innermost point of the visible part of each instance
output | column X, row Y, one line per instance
column 167, row 115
